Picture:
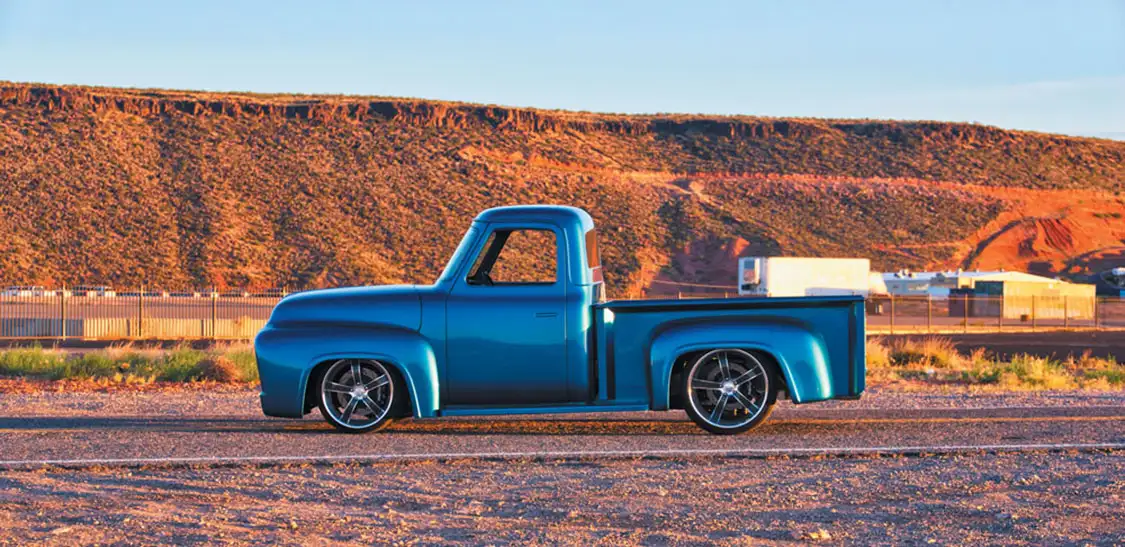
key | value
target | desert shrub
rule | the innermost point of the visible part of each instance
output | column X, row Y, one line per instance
column 182, row 364
column 90, row 365
column 929, row 351
column 878, row 356
column 244, row 362
column 1103, row 373
column 935, row 359
column 34, row 362
column 218, row 368
column 1029, row 371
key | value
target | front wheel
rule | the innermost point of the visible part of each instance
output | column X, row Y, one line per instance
column 729, row 391
column 358, row 395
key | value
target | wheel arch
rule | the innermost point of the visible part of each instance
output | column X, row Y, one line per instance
column 799, row 355
column 317, row 373
column 289, row 358
column 683, row 361
column 420, row 383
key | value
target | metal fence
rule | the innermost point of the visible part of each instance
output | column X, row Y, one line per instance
column 979, row 313
column 140, row 314
column 208, row 315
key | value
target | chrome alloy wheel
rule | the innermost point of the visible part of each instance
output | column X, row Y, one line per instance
column 357, row 394
column 729, row 389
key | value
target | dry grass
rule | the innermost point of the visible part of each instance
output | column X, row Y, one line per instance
column 127, row 365
column 936, row 360
column 925, row 361
column 219, row 369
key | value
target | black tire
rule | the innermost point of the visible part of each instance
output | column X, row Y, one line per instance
column 708, row 386
column 370, row 407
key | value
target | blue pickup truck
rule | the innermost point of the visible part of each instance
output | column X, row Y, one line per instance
column 518, row 324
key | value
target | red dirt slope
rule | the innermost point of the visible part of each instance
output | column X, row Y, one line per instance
column 178, row 188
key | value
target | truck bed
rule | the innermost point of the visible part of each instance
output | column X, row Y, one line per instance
column 627, row 371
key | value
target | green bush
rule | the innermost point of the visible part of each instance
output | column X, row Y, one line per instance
column 33, row 361
column 182, row 364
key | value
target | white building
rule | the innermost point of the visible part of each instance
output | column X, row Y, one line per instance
column 908, row 283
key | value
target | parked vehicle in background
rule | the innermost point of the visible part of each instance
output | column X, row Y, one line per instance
column 93, row 290
column 145, row 293
column 781, row 276
column 27, row 291
column 518, row 323
column 188, row 294
column 1111, row 282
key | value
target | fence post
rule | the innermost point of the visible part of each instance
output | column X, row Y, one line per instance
column 1097, row 313
column 1066, row 312
column 1033, row 314
column 968, row 302
column 141, row 312
column 214, row 315
column 892, row 297
column 1000, row 316
column 929, row 313
column 62, row 311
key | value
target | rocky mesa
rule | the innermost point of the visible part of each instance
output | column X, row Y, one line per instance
column 174, row 188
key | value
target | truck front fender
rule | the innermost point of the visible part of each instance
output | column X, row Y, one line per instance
column 800, row 354
column 287, row 356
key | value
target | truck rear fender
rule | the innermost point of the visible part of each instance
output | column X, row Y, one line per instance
column 800, row 354
column 288, row 357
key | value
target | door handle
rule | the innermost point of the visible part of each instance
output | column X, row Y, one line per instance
column 546, row 314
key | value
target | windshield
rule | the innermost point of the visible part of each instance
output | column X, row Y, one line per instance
column 462, row 248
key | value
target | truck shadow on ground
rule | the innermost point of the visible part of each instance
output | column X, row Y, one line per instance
column 173, row 424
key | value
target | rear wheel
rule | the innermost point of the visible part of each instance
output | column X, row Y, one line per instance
column 729, row 391
column 358, row 395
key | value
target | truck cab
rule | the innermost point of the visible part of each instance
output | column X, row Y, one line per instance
column 518, row 323
column 517, row 308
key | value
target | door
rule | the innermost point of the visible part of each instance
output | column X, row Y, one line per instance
column 505, row 330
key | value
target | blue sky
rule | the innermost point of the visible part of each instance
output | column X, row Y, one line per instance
column 1026, row 64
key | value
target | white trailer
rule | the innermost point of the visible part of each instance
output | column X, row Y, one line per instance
column 776, row 276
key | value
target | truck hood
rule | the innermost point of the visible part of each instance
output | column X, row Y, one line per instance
column 382, row 306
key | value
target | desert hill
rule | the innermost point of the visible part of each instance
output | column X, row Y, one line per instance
column 184, row 189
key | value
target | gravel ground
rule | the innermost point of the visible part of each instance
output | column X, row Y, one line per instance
column 1028, row 498
column 241, row 401
column 1016, row 499
column 226, row 427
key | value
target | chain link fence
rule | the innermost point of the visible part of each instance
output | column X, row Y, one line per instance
column 980, row 313
column 34, row 313
column 44, row 314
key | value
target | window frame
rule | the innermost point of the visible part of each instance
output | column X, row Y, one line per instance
column 488, row 241
column 593, row 258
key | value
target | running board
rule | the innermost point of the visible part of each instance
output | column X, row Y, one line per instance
column 559, row 409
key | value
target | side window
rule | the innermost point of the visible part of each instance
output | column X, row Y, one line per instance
column 592, row 260
column 516, row 257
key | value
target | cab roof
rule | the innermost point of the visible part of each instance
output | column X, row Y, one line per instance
column 556, row 214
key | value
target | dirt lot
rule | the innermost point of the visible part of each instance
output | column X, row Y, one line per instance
column 1028, row 499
